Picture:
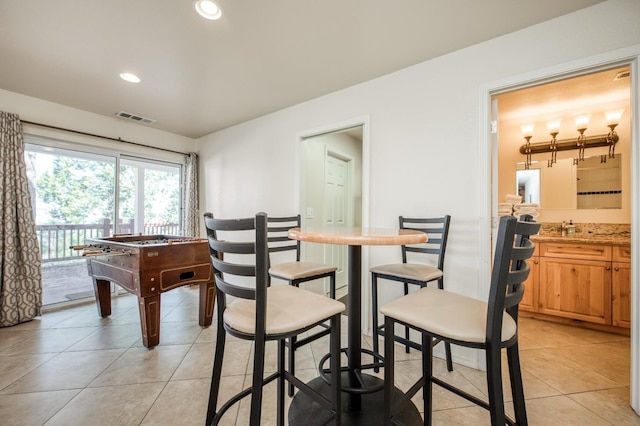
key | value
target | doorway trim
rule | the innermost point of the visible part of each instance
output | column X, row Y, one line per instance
column 488, row 161
column 360, row 121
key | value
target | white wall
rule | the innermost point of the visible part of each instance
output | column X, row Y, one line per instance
column 424, row 135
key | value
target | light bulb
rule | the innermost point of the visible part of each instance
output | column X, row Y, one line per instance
column 527, row 130
column 613, row 117
column 554, row 125
column 582, row 121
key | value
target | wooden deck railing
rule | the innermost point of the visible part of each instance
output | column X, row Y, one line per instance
column 56, row 240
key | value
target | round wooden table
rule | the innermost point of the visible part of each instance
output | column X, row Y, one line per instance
column 363, row 394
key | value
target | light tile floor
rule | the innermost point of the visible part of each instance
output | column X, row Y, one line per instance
column 70, row 367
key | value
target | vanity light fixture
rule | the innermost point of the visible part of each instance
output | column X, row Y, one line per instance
column 613, row 118
column 582, row 121
column 131, row 78
column 527, row 132
column 583, row 142
column 554, row 129
column 207, row 9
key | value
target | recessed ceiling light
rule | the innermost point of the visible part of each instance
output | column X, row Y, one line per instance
column 207, row 9
column 131, row 78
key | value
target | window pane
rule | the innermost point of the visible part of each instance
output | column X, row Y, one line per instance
column 73, row 198
column 149, row 197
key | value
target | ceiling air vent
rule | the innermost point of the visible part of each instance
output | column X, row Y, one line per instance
column 621, row 75
column 134, row 117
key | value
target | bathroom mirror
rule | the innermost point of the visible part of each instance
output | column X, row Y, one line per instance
column 529, row 185
column 594, row 183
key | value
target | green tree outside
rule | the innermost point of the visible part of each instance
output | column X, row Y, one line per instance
column 77, row 191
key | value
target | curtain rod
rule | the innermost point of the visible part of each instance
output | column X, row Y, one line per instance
column 99, row 136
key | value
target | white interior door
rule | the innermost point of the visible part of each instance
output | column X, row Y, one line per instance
column 336, row 210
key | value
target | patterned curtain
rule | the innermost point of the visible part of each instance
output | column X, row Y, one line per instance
column 20, row 268
column 191, row 222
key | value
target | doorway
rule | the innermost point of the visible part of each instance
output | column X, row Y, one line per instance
column 489, row 148
column 331, row 193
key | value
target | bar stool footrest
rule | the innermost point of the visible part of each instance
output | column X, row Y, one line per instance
column 325, row 373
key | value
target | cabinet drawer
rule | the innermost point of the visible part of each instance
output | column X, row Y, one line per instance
column 576, row 251
column 621, row 254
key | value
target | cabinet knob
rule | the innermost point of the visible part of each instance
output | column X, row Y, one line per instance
column 616, row 269
column 608, row 268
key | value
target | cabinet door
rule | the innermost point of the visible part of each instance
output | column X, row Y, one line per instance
column 578, row 289
column 621, row 289
column 529, row 301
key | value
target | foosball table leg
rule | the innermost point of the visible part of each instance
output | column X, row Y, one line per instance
column 150, row 320
column 207, row 303
column 102, row 290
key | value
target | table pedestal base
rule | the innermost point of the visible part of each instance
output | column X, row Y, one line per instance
column 304, row 411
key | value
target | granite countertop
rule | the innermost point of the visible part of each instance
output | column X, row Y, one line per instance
column 586, row 233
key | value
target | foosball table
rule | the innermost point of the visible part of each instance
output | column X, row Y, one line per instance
column 147, row 266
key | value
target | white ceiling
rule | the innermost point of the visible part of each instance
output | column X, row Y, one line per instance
column 200, row 76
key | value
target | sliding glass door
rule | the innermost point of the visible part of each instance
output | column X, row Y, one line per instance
column 78, row 194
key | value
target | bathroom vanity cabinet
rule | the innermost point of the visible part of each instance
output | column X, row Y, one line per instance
column 579, row 281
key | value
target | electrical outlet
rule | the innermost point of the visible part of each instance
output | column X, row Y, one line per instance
column 309, row 212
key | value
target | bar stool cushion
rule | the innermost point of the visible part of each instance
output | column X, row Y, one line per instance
column 296, row 270
column 447, row 314
column 410, row 271
column 289, row 309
